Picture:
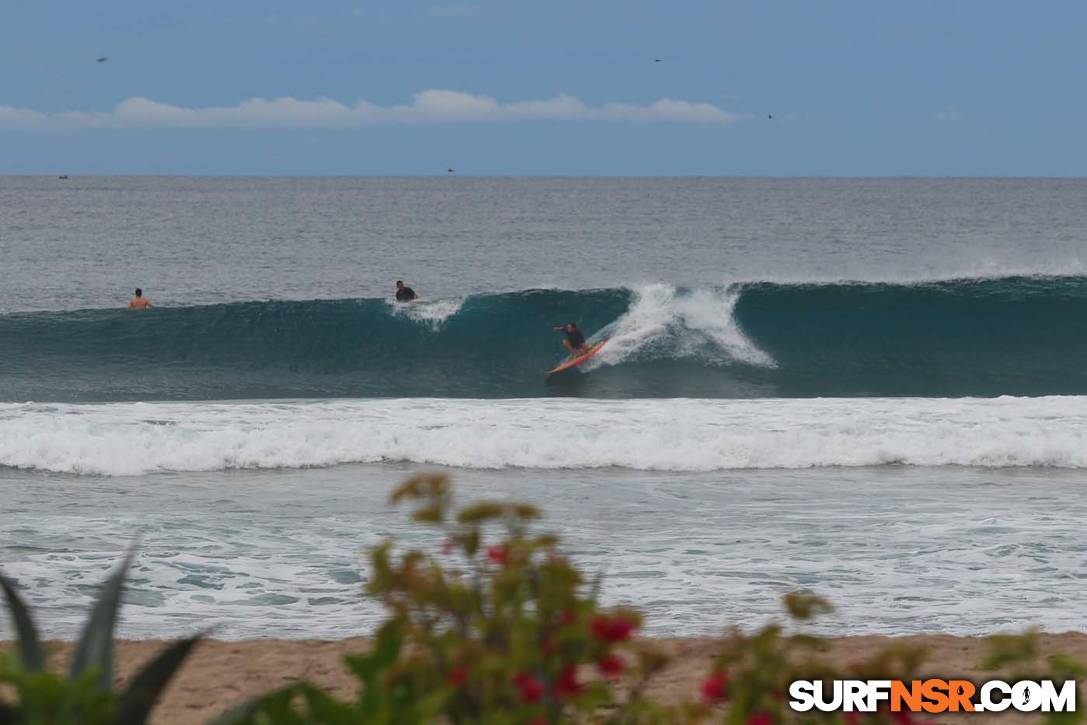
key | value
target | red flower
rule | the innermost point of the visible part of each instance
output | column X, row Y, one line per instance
column 448, row 547
column 498, row 554
column 715, row 687
column 611, row 665
column 547, row 646
column 531, row 688
column 457, row 676
column 567, row 616
column 760, row 718
column 611, row 629
column 538, row 721
column 567, row 685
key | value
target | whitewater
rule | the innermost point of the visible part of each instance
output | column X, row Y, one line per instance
column 680, row 435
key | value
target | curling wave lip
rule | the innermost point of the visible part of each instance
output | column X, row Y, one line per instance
column 970, row 337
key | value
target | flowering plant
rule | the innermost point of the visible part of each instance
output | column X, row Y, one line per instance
column 489, row 628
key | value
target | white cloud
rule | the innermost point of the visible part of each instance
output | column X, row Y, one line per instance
column 427, row 107
column 11, row 116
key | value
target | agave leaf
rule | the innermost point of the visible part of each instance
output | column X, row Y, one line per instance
column 323, row 708
column 95, row 648
column 275, row 706
column 29, row 646
column 146, row 687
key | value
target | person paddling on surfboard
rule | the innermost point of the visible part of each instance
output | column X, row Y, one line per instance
column 404, row 293
column 574, row 341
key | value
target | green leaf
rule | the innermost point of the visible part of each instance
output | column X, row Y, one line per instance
column 480, row 512
column 276, row 704
column 433, row 514
column 324, row 708
column 803, row 605
column 369, row 666
column 1062, row 665
column 9, row 715
column 1006, row 649
column 29, row 646
column 525, row 511
column 595, row 586
column 146, row 687
column 426, row 485
column 1062, row 718
column 95, row 648
column 470, row 541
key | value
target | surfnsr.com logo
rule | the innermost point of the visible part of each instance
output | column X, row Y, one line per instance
column 932, row 696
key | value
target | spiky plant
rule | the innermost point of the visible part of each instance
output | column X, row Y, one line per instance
column 85, row 695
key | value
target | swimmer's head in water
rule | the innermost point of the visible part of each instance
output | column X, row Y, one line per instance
column 399, row 283
column 570, row 327
column 139, row 292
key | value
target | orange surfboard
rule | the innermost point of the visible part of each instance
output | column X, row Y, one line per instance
column 575, row 361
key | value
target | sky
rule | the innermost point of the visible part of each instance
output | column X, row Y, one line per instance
column 585, row 87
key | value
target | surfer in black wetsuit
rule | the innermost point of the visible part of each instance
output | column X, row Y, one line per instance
column 574, row 341
column 404, row 293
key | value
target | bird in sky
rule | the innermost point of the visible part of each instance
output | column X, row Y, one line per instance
column 451, row 171
column 102, row 59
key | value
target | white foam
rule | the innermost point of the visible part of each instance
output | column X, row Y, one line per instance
column 430, row 312
column 696, row 323
column 666, row 435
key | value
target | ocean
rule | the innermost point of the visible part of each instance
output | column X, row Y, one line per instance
column 872, row 388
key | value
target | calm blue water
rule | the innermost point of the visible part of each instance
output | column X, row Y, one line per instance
column 874, row 388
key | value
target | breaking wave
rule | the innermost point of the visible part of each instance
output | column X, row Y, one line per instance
column 984, row 337
column 656, row 435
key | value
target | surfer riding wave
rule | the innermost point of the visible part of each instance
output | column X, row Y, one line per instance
column 574, row 342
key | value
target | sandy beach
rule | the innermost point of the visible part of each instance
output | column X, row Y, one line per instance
column 222, row 673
